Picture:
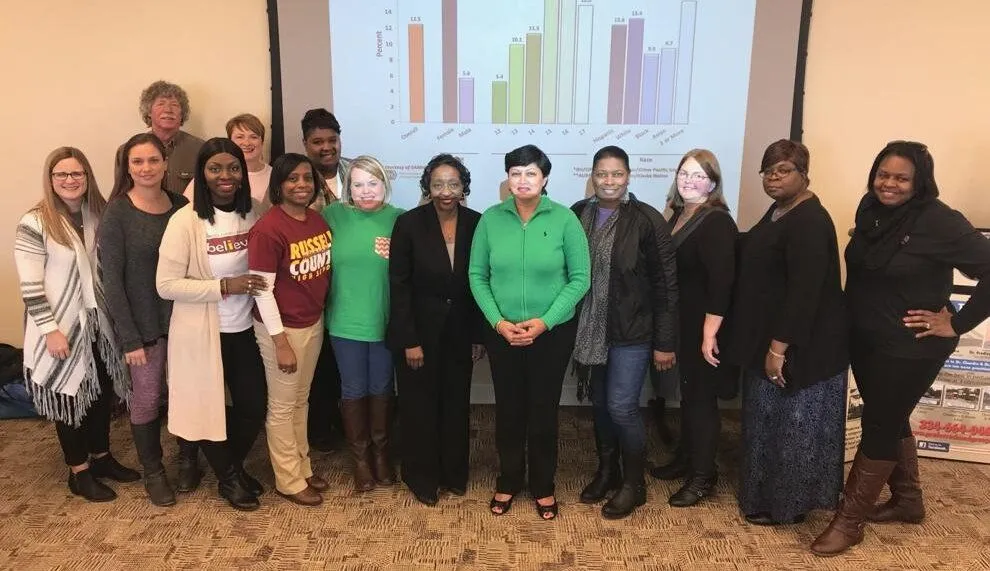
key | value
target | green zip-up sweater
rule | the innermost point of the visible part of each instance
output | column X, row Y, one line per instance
column 538, row 269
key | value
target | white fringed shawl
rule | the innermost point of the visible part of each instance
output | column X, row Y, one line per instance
column 62, row 292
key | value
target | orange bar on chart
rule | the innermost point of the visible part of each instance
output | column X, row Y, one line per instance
column 417, row 80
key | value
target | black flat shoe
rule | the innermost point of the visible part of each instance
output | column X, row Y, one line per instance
column 429, row 499
column 107, row 466
column 763, row 518
column 84, row 484
column 251, row 484
column 673, row 470
column 697, row 487
column 547, row 513
column 503, row 507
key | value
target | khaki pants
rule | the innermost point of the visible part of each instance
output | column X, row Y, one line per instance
column 288, row 405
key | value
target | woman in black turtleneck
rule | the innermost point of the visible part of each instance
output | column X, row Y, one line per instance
column 899, row 264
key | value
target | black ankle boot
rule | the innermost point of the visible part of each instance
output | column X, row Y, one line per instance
column 250, row 483
column 676, row 468
column 697, row 487
column 632, row 494
column 106, row 466
column 147, row 440
column 608, row 477
column 85, row 485
column 231, row 488
column 189, row 472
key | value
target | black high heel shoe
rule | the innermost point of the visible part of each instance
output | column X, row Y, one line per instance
column 502, row 505
column 547, row 513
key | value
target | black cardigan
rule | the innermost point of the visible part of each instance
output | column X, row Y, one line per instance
column 919, row 276
column 788, row 288
column 426, row 294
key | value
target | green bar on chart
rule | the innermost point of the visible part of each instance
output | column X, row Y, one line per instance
column 551, row 13
column 500, row 97
column 534, row 45
column 517, row 81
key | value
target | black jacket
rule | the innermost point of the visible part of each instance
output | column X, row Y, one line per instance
column 642, row 306
column 425, row 293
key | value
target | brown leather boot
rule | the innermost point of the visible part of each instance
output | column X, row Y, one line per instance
column 866, row 479
column 905, row 503
column 355, row 415
column 379, row 437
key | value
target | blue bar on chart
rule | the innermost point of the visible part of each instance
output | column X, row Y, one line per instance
column 668, row 63
column 685, row 60
column 651, row 74
column 634, row 71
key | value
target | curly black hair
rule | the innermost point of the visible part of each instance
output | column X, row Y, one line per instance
column 450, row 161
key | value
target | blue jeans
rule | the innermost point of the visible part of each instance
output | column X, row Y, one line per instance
column 365, row 367
column 615, row 397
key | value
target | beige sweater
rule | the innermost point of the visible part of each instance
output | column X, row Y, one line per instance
column 195, row 370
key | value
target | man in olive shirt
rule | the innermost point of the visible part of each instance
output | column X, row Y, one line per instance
column 164, row 108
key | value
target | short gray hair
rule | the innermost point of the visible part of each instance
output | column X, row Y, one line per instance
column 163, row 89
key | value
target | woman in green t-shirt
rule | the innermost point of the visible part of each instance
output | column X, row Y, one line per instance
column 357, row 312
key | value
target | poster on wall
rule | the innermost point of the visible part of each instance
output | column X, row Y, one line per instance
column 953, row 418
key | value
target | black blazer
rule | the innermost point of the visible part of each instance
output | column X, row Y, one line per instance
column 425, row 292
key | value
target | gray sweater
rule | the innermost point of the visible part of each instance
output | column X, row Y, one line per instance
column 128, row 255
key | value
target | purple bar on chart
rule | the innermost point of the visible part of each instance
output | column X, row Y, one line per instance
column 634, row 72
column 616, row 72
column 648, row 103
column 668, row 62
column 448, row 62
column 465, row 97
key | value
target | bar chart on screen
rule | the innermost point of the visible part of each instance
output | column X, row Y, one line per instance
column 478, row 77
column 550, row 69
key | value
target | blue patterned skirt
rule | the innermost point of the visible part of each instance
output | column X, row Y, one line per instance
column 793, row 447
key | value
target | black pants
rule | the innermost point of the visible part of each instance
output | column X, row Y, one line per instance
column 244, row 375
column 701, row 422
column 92, row 436
column 324, row 396
column 528, row 382
column 891, row 387
column 434, row 414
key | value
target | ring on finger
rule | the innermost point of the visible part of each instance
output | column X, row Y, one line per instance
column 928, row 325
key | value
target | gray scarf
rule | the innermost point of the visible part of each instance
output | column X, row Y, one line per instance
column 591, row 344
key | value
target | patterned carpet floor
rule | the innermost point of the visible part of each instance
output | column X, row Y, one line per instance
column 42, row 526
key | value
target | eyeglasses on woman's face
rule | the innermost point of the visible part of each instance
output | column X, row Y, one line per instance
column 74, row 175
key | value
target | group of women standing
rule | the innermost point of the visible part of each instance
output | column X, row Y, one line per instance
column 232, row 299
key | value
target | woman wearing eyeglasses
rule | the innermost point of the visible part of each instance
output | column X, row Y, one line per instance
column 433, row 323
column 71, row 361
column 704, row 236
column 900, row 261
column 788, row 330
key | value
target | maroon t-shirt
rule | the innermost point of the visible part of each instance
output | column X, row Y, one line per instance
column 298, row 253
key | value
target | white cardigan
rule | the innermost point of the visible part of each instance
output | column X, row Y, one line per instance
column 196, row 395
column 62, row 293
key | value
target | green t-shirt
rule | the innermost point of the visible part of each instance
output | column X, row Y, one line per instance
column 357, row 308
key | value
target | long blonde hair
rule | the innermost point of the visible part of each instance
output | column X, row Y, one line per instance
column 51, row 209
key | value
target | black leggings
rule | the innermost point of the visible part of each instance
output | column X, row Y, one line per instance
column 92, row 436
column 891, row 387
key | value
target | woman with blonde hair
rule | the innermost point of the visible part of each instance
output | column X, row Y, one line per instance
column 704, row 237
column 71, row 361
column 357, row 312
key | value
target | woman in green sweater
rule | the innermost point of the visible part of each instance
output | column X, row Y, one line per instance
column 356, row 315
column 529, row 268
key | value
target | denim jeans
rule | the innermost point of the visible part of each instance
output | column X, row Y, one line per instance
column 615, row 397
column 365, row 367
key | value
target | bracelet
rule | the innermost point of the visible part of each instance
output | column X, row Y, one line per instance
column 777, row 355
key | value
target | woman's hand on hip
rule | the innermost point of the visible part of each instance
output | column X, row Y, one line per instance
column 246, row 284
column 929, row 323
column 57, row 344
column 414, row 357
